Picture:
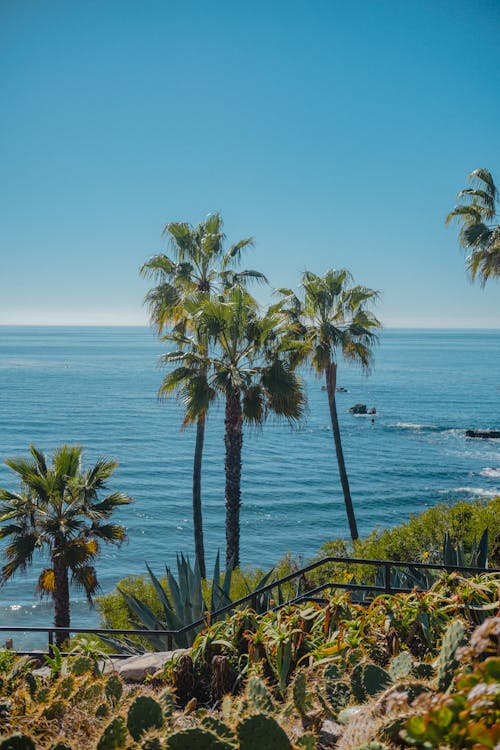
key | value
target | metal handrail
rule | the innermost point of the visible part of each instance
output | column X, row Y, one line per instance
column 386, row 565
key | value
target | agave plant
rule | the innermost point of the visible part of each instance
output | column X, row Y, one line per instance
column 183, row 605
column 422, row 579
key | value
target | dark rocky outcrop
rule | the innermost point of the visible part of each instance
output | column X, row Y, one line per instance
column 358, row 409
column 485, row 434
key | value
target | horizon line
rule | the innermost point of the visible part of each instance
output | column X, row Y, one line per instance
column 145, row 325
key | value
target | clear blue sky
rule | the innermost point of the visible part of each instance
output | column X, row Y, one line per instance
column 336, row 133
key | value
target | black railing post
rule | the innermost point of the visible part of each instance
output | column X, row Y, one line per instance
column 170, row 642
column 387, row 577
column 51, row 642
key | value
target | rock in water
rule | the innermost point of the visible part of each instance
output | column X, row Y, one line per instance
column 486, row 434
column 358, row 409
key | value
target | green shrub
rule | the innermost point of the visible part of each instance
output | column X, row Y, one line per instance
column 421, row 538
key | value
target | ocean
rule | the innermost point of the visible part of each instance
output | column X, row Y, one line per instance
column 97, row 387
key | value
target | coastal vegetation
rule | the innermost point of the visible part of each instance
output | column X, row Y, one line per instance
column 414, row 670
column 59, row 511
column 420, row 539
column 367, row 670
column 479, row 235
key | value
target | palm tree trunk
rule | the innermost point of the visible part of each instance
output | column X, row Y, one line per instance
column 331, row 384
column 197, row 515
column 233, row 440
column 61, row 596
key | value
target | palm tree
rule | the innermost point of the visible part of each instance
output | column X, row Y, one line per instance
column 251, row 368
column 199, row 268
column 478, row 235
column 58, row 510
column 331, row 321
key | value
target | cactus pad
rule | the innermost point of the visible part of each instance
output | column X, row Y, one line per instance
column 218, row 727
column 367, row 680
column 299, row 693
column 55, row 710
column 17, row 741
column 401, row 666
column 447, row 662
column 197, row 739
column 144, row 713
column 113, row 688
column 261, row 732
column 102, row 711
column 307, row 741
column 114, row 736
column 258, row 696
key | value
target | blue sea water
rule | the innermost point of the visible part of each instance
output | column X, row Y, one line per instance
column 97, row 387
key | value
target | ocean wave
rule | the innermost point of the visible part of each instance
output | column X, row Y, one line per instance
column 430, row 428
column 415, row 427
column 492, row 473
column 475, row 491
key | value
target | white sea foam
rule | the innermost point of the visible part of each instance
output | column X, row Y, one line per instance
column 415, row 426
column 492, row 473
column 475, row 491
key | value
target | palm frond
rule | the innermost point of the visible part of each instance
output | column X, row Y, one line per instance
column 46, row 583
column 85, row 577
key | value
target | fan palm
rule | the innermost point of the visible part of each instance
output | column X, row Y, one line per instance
column 251, row 369
column 58, row 510
column 199, row 268
column 331, row 320
column 478, row 235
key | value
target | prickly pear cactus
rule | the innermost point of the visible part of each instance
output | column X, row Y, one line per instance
column 66, row 686
column 167, row 701
column 447, row 662
column 227, row 707
column 114, row 736
column 401, row 666
column 332, row 672
column 307, row 741
column 338, row 695
column 258, row 696
column 152, row 743
column 113, row 689
column 93, row 692
column 43, row 695
column 31, row 684
column 261, row 732
column 299, row 693
column 197, row 739
column 102, row 711
column 218, row 727
column 423, row 671
column 348, row 714
column 367, row 680
column 144, row 713
column 17, row 741
column 82, row 665
column 55, row 710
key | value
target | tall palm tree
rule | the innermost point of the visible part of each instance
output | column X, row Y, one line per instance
column 199, row 268
column 58, row 510
column 332, row 321
column 479, row 235
column 251, row 368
